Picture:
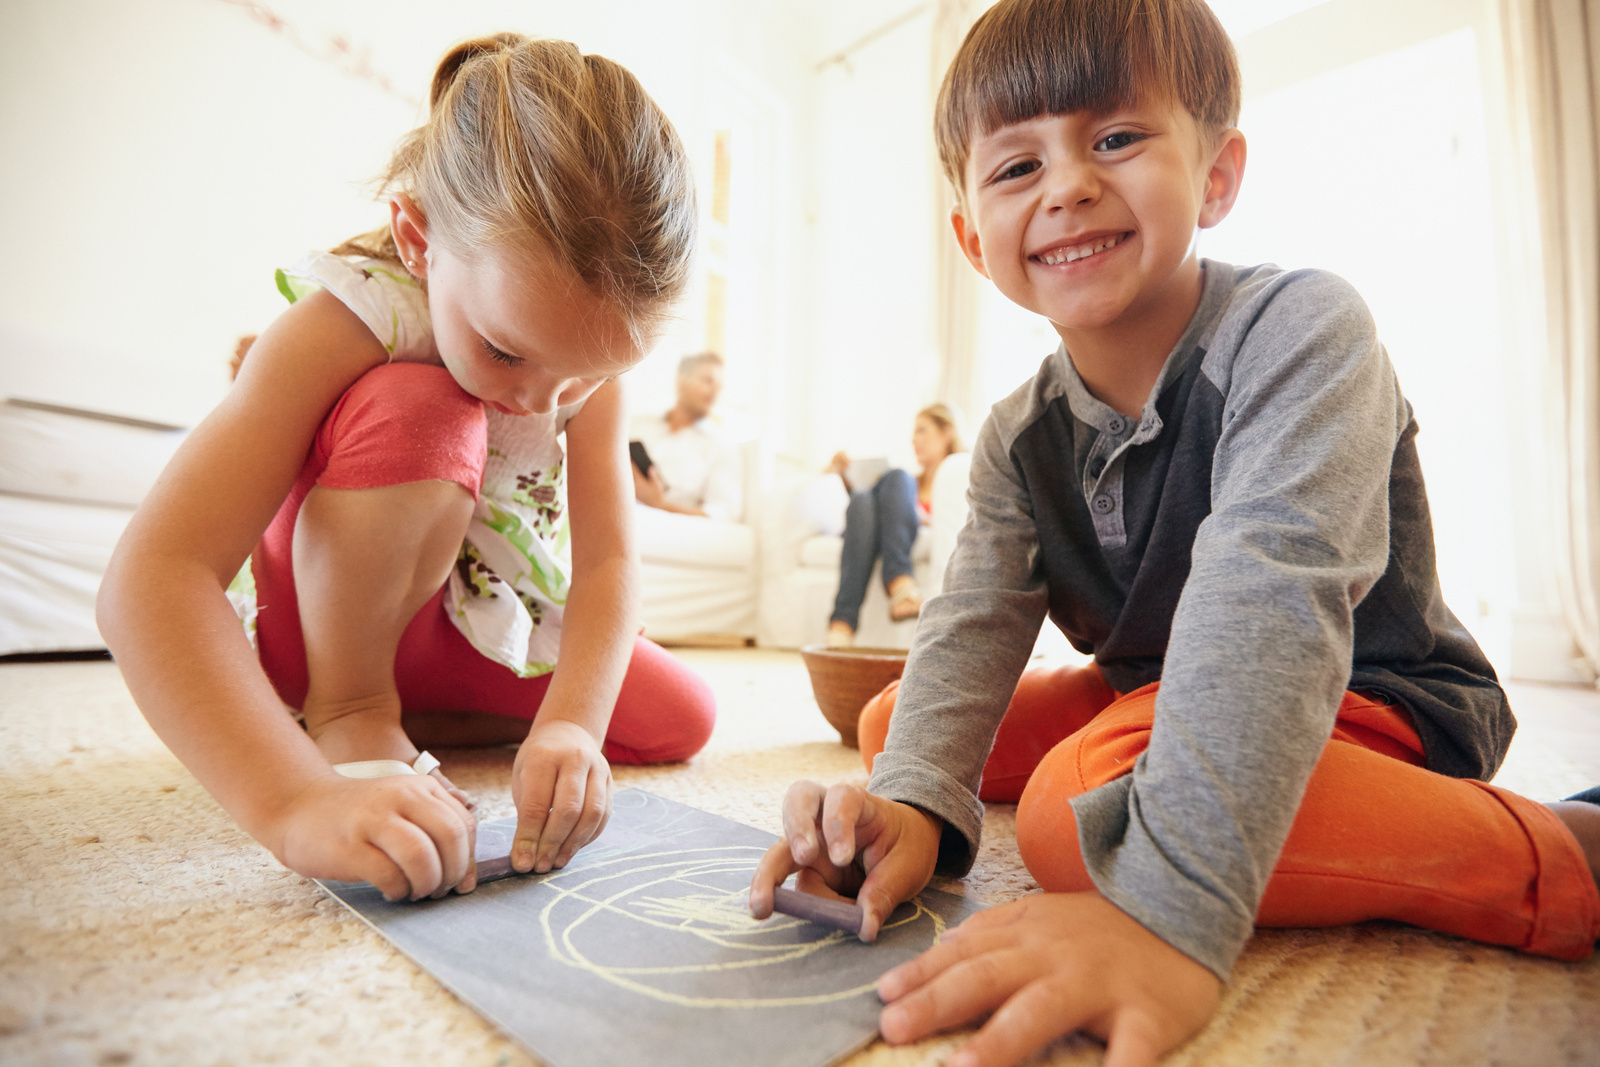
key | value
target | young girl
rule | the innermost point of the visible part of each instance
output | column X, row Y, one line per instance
column 882, row 520
column 388, row 462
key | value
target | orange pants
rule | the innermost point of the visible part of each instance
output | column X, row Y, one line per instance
column 1377, row 836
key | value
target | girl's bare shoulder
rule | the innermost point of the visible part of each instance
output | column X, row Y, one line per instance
column 316, row 340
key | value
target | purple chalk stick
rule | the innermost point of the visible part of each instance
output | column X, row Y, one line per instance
column 495, row 868
column 815, row 909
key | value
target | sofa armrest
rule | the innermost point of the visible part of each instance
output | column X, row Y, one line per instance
column 949, row 515
column 798, row 508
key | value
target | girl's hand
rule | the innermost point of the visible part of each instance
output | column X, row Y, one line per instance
column 405, row 834
column 844, row 840
column 561, row 785
column 1046, row 965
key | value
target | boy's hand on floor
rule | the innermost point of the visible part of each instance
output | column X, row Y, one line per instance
column 846, row 841
column 1046, row 965
column 561, row 785
column 405, row 834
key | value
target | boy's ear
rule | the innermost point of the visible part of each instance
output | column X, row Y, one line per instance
column 1223, row 179
column 967, row 238
column 410, row 231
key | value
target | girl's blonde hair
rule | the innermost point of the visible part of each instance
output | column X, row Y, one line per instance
column 949, row 420
column 532, row 144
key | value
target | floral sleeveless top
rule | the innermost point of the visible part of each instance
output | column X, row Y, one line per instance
column 510, row 585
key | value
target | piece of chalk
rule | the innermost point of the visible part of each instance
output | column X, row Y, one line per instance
column 835, row 913
column 491, row 870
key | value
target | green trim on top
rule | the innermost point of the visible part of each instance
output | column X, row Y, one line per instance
column 245, row 581
column 403, row 279
column 294, row 288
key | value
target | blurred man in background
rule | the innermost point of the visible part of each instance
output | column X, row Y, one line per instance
column 687, row 465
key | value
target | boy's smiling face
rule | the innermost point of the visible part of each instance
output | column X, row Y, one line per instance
column 1087, row 219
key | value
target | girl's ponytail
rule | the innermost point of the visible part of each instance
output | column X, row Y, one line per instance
column 534, row 145
column 460, row 54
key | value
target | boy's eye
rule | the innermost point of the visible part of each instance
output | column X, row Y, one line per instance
column 1121, row 139
column 497, row 355
column 1017, row 170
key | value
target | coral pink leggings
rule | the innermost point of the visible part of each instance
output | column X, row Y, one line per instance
column 1376, row 837
column 407, row 422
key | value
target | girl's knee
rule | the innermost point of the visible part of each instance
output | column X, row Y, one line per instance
column 686, row 726
column 695, row 721
column 414, row 387
column 665, row 712
column 404, row 422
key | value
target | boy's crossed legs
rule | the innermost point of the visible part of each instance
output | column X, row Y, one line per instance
column 1376, row 835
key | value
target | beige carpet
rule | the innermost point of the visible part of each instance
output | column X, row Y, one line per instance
column 138, row 926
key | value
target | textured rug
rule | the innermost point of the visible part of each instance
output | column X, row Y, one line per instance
column 139, row 926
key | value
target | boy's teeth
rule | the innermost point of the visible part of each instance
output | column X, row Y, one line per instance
column 1072, row 255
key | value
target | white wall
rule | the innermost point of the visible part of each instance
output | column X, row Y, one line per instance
column 871, row 215
column 1376, row 170
column 1418, row 179
column 162, row 158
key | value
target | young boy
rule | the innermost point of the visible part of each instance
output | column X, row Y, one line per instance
column 1213, row 487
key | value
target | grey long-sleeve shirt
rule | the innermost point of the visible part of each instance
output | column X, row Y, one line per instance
column 1258, row 541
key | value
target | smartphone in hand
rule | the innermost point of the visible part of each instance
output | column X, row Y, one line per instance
column 640, row 457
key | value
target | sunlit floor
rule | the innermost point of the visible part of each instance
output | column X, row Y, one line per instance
column 138, row 925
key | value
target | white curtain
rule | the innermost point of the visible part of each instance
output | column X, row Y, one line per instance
column 1553, row 59
column 955, row 308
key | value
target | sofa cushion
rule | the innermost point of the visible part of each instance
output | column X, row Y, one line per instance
column 821, row 551
column 825, row 551
column 690, row 541
column 51, row 451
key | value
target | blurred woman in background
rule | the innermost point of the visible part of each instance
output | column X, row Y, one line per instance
column 882, row 520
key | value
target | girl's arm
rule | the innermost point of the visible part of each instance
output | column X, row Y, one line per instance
column 163, row 612
column 561, row 783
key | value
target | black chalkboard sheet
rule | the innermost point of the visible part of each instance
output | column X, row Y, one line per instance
column 642, row 950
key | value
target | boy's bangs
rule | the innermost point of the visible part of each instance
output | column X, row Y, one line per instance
column 1027, row 58
column 1050, row 72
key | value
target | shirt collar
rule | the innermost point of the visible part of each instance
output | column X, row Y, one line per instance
column 1215, row 286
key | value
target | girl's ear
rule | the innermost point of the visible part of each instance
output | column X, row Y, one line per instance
column 410, row 231
column 1223, row 179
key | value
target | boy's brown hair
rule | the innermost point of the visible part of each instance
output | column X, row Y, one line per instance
column 1026, row 58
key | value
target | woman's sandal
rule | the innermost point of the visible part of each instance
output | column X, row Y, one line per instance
column 907, row 604
column 426, row 763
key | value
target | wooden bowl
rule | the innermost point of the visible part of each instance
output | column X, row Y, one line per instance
column 844, row 679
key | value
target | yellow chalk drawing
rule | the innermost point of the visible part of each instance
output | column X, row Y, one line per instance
column 640, row 890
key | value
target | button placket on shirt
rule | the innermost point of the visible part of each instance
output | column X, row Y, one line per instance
column 1103, row 480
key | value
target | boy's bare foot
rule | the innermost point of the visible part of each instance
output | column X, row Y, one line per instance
column 1584, row 821
column 841, row 635
column 367, row 730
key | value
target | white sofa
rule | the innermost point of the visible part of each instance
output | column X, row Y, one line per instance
column 69, row 483
column 801, row 547
column 700, row 577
